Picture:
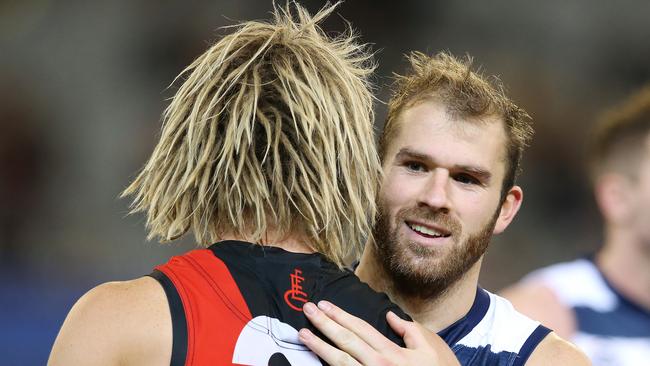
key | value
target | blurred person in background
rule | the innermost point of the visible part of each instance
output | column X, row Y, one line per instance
column 23, row 162
column 267, row 151
column 451, row 149
column 602, row 302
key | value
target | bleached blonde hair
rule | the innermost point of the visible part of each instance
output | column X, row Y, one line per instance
column 270, row 130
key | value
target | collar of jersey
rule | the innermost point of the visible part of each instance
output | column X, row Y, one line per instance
column 266, row 252
column 458, row 330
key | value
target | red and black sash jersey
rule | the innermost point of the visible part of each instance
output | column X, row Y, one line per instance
column 237, row 303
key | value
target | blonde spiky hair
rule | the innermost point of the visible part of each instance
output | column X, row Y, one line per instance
column 271, row 130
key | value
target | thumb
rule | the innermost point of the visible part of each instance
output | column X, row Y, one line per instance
column 412, row 334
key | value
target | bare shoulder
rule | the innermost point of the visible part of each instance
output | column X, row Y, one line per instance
column 117, row 323
column 554, row 350
column 540, row 303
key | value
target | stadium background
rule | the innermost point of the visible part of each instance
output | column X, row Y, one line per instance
column 82, row 85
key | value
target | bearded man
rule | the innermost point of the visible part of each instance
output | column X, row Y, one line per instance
column 450, row 149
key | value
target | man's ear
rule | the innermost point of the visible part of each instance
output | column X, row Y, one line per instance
column 509, row 209
column 610, row 191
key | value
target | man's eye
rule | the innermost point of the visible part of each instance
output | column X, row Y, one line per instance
column 414, row 166
column 466, row 179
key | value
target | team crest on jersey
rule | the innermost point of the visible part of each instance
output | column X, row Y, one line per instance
column 296, row 297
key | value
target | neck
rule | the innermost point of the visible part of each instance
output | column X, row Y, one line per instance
column 435, row 313
column 290, row 242
column 624, row 257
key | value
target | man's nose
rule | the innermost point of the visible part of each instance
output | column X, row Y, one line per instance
column 435, row 192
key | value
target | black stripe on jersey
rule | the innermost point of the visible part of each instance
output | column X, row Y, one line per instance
column 179, row 323
column 463, row 326
column 529, row 346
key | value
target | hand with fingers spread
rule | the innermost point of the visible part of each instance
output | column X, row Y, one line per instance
column 361, row 344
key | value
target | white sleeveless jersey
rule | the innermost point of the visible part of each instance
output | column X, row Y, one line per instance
column 493, row 333
column 611, row 329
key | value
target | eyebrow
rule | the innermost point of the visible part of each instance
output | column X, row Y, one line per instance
column 481, row 173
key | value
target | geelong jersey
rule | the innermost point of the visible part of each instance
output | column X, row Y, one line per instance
column 493, row 333
column 237, row 303
column 611, row 329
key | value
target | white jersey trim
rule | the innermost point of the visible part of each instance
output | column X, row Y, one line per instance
column 502, row 327
column 576, row 283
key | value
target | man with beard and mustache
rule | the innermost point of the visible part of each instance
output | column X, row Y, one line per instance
column 450, row 149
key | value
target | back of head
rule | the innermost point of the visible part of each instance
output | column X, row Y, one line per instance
column 466, row 94
column 271, row 130
column 620, row 137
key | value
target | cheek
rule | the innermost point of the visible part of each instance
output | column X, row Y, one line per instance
column 396, row 191
column 476, row 209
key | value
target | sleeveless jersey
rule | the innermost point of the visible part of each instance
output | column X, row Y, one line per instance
column 237, row 303
column 611, row 329
column 493, row 333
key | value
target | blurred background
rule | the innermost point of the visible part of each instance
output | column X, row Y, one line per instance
column 83, row 83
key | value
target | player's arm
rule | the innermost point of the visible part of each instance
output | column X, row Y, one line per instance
column 540, row 303
column 117, row 323
column 553, row 350
column 361, row 344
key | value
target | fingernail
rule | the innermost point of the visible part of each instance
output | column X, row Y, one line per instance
column 309, row 308
column 324, row 305
column 305, row 334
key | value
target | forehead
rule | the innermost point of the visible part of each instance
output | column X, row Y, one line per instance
column 428, row 128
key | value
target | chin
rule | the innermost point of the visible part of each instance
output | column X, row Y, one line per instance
column 423, row 264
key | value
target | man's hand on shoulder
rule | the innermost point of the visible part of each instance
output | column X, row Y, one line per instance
column 554, row 350
column 361, row 344
column 117, row 323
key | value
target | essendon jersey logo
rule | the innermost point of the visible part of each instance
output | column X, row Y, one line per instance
column 295, row 297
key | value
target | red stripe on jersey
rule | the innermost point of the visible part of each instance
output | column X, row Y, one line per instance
column 215, row 309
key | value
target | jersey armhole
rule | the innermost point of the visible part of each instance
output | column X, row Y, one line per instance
column 531, row 343
column 179, row 323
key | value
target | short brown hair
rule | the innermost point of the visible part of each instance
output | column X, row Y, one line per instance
column 465, row 93
column 271, row 129
column 620, row 134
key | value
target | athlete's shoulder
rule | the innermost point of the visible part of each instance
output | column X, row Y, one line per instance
column 554, row 275
column 504, row 328
column 546, row 294
column 554, row 350
column 502, row 318
column 116, row 323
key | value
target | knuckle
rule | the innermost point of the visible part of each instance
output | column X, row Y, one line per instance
column 384, row 361
column 345, row 338
column 345, row 359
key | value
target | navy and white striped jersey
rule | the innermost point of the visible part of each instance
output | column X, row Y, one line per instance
column 493, row 333
column 611, row 329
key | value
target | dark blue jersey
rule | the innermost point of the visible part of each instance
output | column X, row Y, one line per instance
column 493, row 333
